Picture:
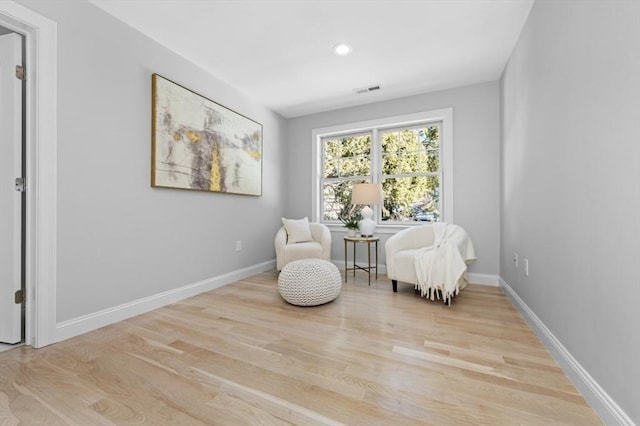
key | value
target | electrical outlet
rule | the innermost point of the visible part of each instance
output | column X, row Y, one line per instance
column 515, row 260
column 239, row 245
column 526, row 267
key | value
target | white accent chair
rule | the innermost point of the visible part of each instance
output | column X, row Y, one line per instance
column 401, row 250
column 319, row 248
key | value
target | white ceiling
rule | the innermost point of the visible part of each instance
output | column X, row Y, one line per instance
column 279, row 52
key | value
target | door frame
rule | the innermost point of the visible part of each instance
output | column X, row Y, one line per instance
column 40, row 216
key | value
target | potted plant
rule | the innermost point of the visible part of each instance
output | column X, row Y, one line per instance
column 350, row 221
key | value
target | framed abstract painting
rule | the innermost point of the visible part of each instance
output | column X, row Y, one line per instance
column 201, row 145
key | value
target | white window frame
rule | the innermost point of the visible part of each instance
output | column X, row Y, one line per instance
column 445, row 116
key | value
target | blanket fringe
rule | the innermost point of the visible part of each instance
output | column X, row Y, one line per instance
column 433, row 293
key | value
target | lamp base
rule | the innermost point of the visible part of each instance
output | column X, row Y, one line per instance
column 367, row 226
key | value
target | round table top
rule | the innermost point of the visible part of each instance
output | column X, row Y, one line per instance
column 361, row 239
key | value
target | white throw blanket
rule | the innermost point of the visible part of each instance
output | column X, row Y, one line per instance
column 441, row 267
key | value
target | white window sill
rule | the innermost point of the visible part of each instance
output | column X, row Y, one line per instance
column 380, row 229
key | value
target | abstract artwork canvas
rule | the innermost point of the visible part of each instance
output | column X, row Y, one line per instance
column 201, row 145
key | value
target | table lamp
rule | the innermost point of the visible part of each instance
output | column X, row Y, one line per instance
column 366, row 194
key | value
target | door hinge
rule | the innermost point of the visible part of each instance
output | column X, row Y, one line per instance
column 21, row 73
column 20, row 184
column 19, row 297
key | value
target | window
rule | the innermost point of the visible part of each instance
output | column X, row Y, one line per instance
column 410, row 156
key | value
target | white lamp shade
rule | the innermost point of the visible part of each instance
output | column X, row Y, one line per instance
column 366, row 194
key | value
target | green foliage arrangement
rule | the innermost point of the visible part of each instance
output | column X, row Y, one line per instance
column 350, row 217
column 351, row 220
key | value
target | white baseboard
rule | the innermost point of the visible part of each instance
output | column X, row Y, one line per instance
column 484, row 279
column 610, row 413
column 474, row 278
column 93, row 321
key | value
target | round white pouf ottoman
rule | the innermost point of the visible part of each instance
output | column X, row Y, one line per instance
column 309, row 282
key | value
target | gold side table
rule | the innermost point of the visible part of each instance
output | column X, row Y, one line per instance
column 361, row 240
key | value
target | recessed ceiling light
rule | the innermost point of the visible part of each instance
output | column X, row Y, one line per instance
column 342, row 49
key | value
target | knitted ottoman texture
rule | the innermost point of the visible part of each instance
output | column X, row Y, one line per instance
column 309, row 282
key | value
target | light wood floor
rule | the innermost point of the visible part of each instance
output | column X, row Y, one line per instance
column 241, row 355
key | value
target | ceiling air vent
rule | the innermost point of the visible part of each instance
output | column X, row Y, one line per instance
column 367, row 89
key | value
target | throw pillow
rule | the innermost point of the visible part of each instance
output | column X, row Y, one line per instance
column 298, row 231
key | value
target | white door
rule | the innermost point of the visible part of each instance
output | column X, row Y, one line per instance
column 10, row 199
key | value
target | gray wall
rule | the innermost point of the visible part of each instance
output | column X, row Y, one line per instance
column 119, row 239
column 476, row 136
column 570, row 190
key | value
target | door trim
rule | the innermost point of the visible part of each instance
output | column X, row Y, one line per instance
column 41, row 175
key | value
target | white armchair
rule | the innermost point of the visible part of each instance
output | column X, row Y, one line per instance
column 405, row 250
column 319, row 248
column 400, row 251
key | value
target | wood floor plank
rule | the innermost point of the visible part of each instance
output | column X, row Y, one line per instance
column 241, row 355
